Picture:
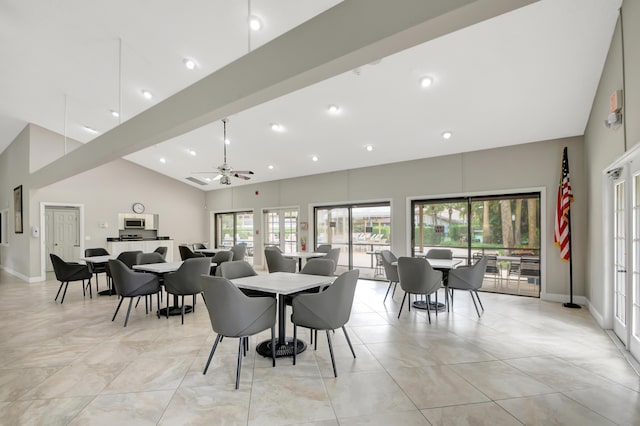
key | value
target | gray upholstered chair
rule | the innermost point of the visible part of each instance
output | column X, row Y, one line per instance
column 186, row 281
column 323, row 248
column 187, row 253
column 327, row 310
column 239, row 251
column 333, row 254
column 198, row 246
column 469, row 278
column 70, row 271
column 129, row 283
column 147, row 258
column 219, row 258
column 437, row 253
column 238, row 269
column 162, row 250
column 129, row 258
column 390, row 270
column 233, row 314
column 320, row 266
column 278, row 263
column 418, row 277
column 97, row 268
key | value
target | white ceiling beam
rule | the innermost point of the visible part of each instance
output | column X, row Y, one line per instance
column 351, row 34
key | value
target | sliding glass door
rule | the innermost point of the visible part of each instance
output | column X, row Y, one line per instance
column 359, row 230
column 235, row 228
column 505, row 228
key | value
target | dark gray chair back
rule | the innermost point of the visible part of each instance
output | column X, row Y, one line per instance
column 390, row 270
column 320, row 266
column 187, row 253
column 129, row 283
column 278, row 263
column 147, row 258
column 69, row 271
column 162, row 250
column 323, row 248
column 333, row 254
column 129, row 258
column 236, row 269
column 239, row 251
column 186, row 279
column 439, row 254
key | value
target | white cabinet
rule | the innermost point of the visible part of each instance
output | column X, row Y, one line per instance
column 117, row 247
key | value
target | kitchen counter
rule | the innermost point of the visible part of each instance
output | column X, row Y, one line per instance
column 115, row 246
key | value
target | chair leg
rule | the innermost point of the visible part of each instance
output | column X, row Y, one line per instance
column 315, row 342
column 402, row 304
column 146, row 304
column 479, row 301
column 182, row 309
column 126, row 319
column 239, row 368
column 428, row 309
column 395, row 285
column 64, row 293
column 193, row 307
column 117, row 309
column 158, row 310
column 213, row 349
column 167, row 311
column 387, row 293
column 58, row 293
column 474, row 303
column 137, row 301
column 295, row 342
column 333, row 360
column 90, row 291
column 84, row 290
column 344, row 330
column 273, row 344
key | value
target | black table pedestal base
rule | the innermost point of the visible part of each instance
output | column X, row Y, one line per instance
column 175, row 310
column 421, row 304
column 282, row 349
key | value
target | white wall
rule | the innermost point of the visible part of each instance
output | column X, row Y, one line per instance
column 603, row 146
column 535, row 165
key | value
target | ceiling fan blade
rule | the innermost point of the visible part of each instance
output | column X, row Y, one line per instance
column 205, row 173
column 217, row 177
column 244, row 172
column 241, row 176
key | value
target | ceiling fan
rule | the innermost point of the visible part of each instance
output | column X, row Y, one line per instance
column 225, row 172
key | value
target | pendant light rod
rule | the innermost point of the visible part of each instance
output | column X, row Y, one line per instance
column 224, row 138
column 119, row 80
column 65, row 124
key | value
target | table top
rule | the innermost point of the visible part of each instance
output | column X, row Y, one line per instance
column 282, row 282
column 303, row 254
column 440, row 263
column 158, row 268
column 98, row 259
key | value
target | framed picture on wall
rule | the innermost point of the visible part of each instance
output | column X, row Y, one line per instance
column 17, row 205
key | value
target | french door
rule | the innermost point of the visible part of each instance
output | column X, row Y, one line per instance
column 281, row 227
column 626, row 252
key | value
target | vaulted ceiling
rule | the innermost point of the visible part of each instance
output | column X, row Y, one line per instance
column 524, row 76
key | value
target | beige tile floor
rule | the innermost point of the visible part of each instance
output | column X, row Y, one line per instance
column 524, row 362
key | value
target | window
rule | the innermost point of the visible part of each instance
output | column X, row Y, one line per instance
column 506, row 228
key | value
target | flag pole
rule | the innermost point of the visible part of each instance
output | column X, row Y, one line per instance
column 570, row 304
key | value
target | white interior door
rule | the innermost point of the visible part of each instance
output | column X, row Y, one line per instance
column 620, row 302
column 62, row 234
column 633, row 279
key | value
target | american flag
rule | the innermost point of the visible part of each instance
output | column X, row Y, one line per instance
column 565, row 198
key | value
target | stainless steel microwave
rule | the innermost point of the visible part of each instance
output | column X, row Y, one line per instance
column 133, row 223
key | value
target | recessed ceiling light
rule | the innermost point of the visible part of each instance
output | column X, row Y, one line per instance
column 227, row 141
column 115, row 113
column 90, row 129
column 255, row 23
column 277, row 127
column 333, row 109
column 426, row 81
column 314, row 158
column 271, row 167
column 447, row 135
column 369, row 148
column 190, row 63
column 163, row 160
column 192, row 152
column 147, row 94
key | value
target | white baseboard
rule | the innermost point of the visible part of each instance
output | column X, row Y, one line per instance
column 564, row 298
column 21, row 276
